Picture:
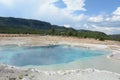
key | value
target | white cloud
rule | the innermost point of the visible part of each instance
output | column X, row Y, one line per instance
column 116, row 15
column 109, row 24
column 109, row 18
column 51, row 12
column 73, row 5
column 79, row 17
column 115, row 18
column 98, row 18
column 117, row 11
column 108, row 30
column 86, row 26
column 67, row 26
column 8, row 3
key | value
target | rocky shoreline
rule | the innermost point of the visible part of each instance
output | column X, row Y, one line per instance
column 14, row 73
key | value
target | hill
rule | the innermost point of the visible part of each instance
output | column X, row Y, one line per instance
column 115, row 37
column 19, row 25
column 11, row 25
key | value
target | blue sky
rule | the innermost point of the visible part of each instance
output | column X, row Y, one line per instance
column 100, row 6
column 96, row 15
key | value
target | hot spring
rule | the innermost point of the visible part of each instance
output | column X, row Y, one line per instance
column 47, row 55
column 58, row 57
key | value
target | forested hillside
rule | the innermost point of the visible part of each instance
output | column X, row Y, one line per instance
column 12, row 25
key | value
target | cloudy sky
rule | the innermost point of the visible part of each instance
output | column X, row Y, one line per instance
column 99, row 15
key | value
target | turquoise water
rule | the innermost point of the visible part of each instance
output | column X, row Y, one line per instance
column 49, row 55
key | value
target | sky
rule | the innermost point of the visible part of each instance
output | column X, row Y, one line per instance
column 96, row 15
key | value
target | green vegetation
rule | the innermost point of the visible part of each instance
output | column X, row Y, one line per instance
column 12, row 25
column 115, row 37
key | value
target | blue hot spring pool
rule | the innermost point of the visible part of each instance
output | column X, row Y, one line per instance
column 48, row 55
